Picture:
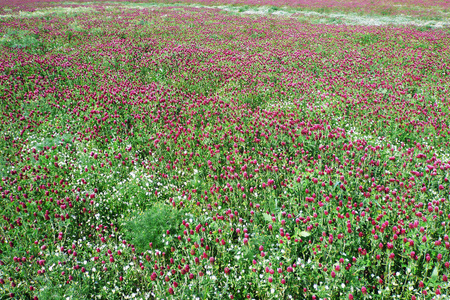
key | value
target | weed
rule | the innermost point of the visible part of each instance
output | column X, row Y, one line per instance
column 151, row 225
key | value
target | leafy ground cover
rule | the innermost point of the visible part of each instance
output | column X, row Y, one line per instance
column 177, row 152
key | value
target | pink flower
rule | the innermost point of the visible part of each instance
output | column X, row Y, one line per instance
column 364, row 290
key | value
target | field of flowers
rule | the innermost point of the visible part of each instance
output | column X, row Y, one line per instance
column 429, row 9
column 175, row 152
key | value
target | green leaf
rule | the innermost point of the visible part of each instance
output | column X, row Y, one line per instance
column 301, row 233
column 337, row 184
column 435, row 274
column 267, row 217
